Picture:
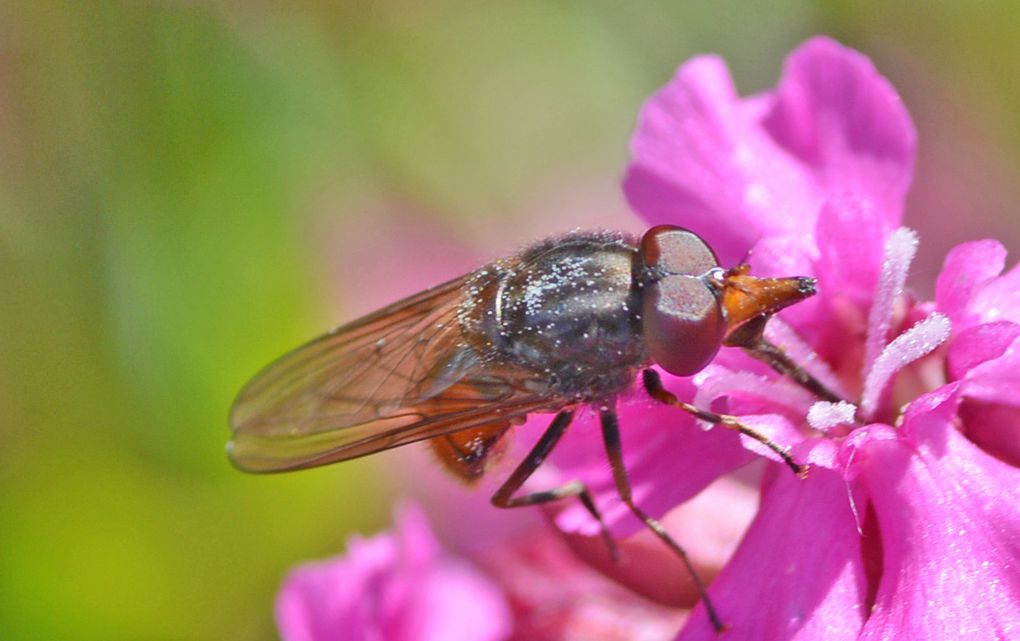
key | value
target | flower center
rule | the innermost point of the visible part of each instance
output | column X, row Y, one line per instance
column 884, row 359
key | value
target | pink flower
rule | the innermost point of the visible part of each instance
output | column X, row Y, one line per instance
column 985, row 310
column 556, row 597
column 908, row 526
column 402, row 585
column 393, row 587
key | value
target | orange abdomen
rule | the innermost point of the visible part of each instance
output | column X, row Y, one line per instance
column 468, row 453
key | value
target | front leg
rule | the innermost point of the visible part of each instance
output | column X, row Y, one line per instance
column 655, row 389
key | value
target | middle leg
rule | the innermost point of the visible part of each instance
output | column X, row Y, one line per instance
column 653, row 385
column 504, row 496
column 614, row 450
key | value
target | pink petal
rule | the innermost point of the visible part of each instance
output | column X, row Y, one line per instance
column 967, row 268
column 996, row 380
column 781, row 256
column 777, row 428
column 393, row 586
column 557, row 597
column 991, row 409
column 994, row 427
column 999, row 299
column 709, row 527
column 978, row 344
column 316, row 604
column 415, row 537
column 950, row 532
column 798, row 574
column 702, row 161
column 846, row 123
column 749, row 393
column 454, row 602
column 736, row 169
column 851, row 236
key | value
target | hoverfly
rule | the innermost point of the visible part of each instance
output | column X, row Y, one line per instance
column 568, row 322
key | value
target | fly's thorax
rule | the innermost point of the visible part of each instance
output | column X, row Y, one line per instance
column 568, row 309
column 478, row 311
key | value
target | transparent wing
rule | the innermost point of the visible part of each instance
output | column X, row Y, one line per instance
column 400, row 375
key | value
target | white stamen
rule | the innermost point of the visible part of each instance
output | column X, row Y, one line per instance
column 906, row 348
column 899, row 253
column 823, row 415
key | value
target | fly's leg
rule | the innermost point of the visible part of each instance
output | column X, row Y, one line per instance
column 504, row 496
column 653, row 384
column 778, row 360
column 611, row 438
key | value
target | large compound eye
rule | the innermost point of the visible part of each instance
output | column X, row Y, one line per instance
column 681, row 316
column 674, row 250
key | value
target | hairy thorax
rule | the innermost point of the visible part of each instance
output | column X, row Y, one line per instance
column 566, row 309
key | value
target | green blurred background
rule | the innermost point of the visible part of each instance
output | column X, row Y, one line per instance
column 189, row 188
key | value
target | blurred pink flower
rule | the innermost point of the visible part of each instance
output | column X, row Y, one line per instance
column 402, row 585
column 393, row 587
column 556, row 597
column 904, row 528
